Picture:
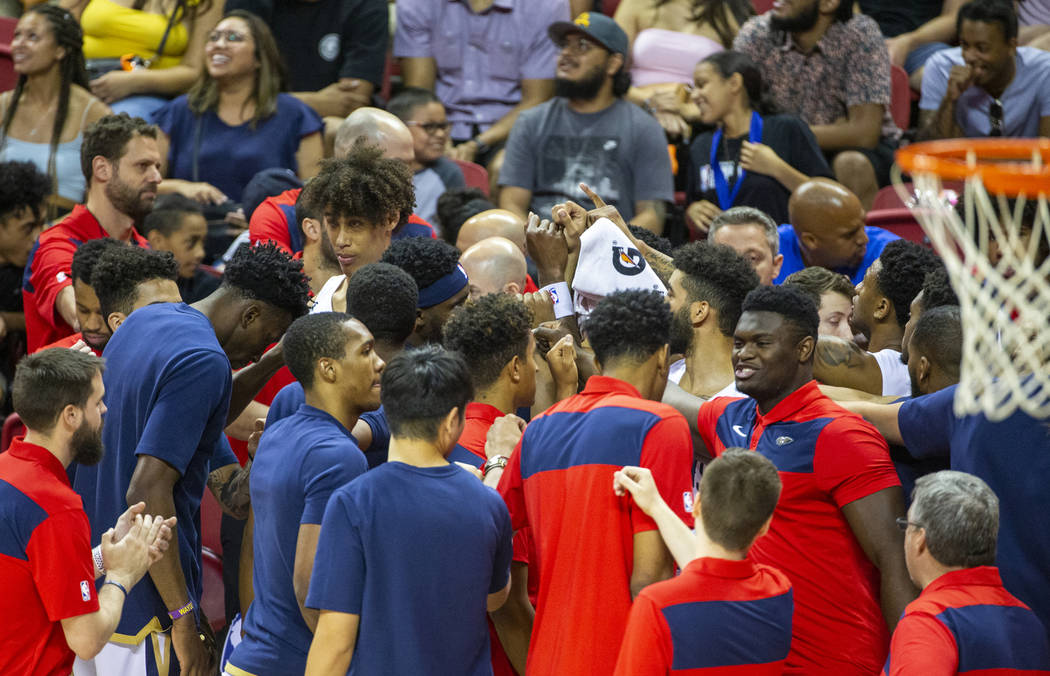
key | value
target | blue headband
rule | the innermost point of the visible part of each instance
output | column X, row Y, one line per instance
column 443, row 289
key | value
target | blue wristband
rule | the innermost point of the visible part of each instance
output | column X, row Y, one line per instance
column 117, row 585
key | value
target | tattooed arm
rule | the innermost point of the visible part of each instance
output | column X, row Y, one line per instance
column 229, row 485
column 843, row 363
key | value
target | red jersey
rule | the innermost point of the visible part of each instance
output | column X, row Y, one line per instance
column 827, row 458
column 68, row 342
column 965, row 622
column 45, row 562
column 559, row 482
column 48, row 271
column 719, row 617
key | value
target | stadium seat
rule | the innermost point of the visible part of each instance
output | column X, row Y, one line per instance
column 900, row 97
column 211, row 520
column 901, row 222
column 887, row 198
column 609, row 7
column 762, row 6
column 13, row 427
column 212, row 600
column 475, row 175
column 8, row 78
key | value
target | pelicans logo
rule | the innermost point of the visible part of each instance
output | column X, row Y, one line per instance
column 628, row 261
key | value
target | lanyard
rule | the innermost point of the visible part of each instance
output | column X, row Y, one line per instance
column 725, row 197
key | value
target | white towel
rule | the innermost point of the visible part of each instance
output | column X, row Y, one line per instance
column 609, row 263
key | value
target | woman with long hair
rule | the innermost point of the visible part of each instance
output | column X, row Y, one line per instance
column 667, row 38
column 166, row 36
column 754, row 157
column 236, row 121
column 44, row 116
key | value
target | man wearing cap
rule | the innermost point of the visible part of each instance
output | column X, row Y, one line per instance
column 588, row 133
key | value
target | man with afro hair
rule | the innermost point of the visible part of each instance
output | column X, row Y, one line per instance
column 833, row 531
column 168, row 386
column 128, row 278
column 442, row 282
column 596, row 551
column 880, row 312
column 23, row 190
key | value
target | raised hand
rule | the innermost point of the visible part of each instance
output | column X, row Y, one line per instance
column 547, row 247
column 504, row 435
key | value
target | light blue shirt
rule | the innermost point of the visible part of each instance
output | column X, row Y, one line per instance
column 1025, row 101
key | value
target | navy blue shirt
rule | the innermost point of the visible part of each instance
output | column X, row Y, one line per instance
column 877, row 241
column 414, row 551
column 1013, row 458
column 301, row 461
column 167, row 394
column 292, row 396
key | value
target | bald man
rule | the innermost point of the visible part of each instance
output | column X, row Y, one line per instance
column 492, row 223
column 494, row 265
column 827, row 229
column 274, row 219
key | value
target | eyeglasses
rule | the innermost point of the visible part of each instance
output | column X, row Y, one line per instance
column 903, row 523
column 577, row 45
column 995, row 117
column 231, row 36
column 431, row 128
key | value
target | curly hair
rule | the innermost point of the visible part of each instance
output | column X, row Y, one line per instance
column 937, row 289
column 455, row 206
column 311, row 338
column 267, row 273
column 661, row 244
column 384, row 298
column 426, row 259
column 791, row 303
column 816, row 281
column 366, row 185
column 719, row 275
column 630, row 325
column 121, row 269
column 904, row 267
column 22, row 186
column 489, row 332
column 109, row 137
column 87, row 255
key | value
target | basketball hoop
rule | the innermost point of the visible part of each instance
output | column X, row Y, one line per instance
column 1004, row 303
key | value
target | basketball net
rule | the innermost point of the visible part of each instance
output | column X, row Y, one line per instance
column 1004, row 303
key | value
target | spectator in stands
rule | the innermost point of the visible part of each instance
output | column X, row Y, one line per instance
column 812, row 46
column 52, row 609
column 23, row 189
column 737, row 610
column 575, row 518
column 236, row 111
column 168, row 368
column 335, row 50
column 754, row 157
column 936, row 291
column 880, row 313
column 588, row 134
column 128, row 278
column 433, row 174
column 94, row 330
column 51, row 88
column 494, row 265
column 987, row 86
column 705, row 293
column 753, row 235
column 666, row 40
column 300, row 462
column 443, row 285
column 115, row 29
column 914, row 31
column 177, row 224
column 827, row 229
column 964, row 620
column 487, row 61
column 404, row 626
column 455, row 207
column 366, row 196
column 833, row 294
column 832, row 533
column 121, row 163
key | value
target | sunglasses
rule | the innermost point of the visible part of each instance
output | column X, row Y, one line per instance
column 995, row 117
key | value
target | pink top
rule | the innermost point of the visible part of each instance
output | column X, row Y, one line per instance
column 662, row 56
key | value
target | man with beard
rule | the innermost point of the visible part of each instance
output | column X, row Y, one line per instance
column 121, row 163
column 318, row 255
column 588, row 133
column 51, row 609
column 832, row 69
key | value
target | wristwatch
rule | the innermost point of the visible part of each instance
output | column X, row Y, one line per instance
column 482, row 146
column 495, row 461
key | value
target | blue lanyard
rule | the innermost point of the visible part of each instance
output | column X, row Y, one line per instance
column 725, row 197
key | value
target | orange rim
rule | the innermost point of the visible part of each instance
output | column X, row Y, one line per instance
column 1004, row 165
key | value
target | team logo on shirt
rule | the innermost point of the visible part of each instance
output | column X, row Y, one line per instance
column 85, row 590
column 687, row 501
column 784, row 441
column 328, row 47
column 61, row 277
column 739, row 430
column 628, row 261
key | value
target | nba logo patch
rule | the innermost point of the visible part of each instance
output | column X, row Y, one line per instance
column 687, row 501
column 85, row 590
column 554, row 295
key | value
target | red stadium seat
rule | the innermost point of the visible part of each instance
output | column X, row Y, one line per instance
column 762, row 6
column 887, row 198
column 211, row 520
column 609, row 7
column 475, row 175
column 213, row 601
column 13, row 427
column 8, row 78
column 900, row 97
column 901, row 222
